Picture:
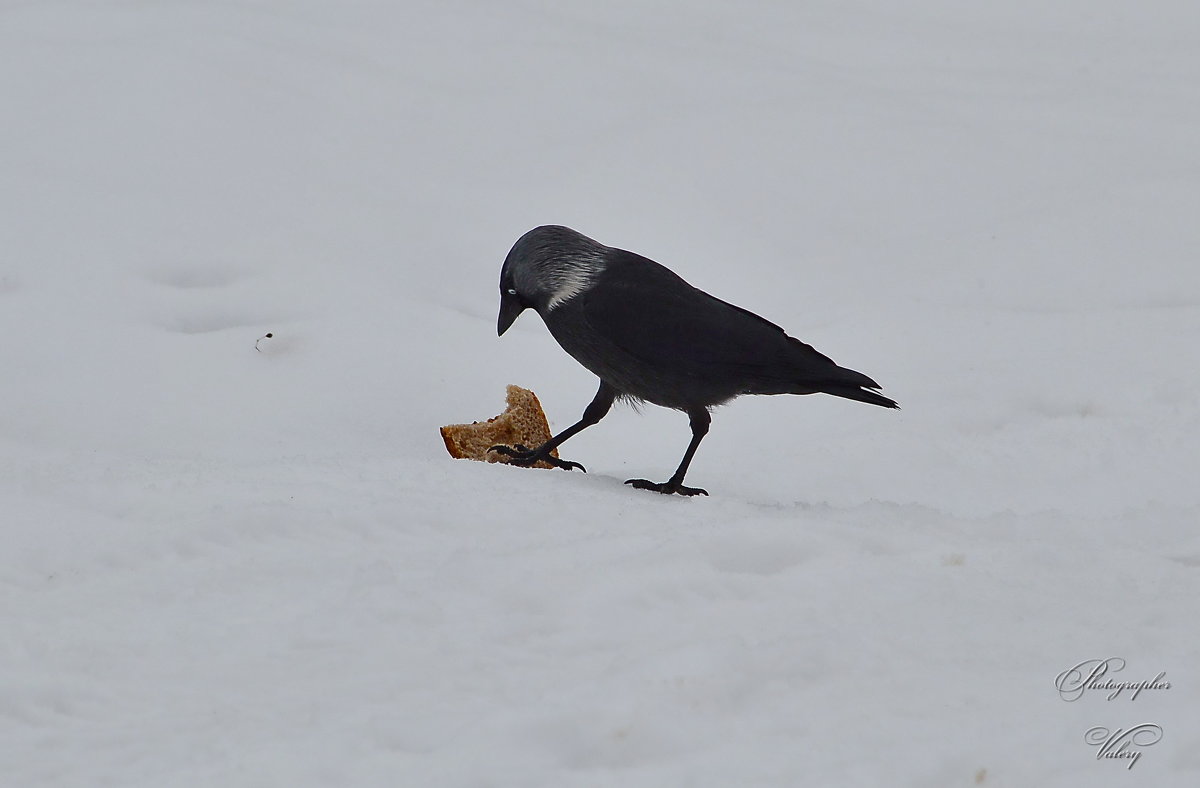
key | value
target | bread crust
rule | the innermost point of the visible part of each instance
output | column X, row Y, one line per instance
column 522, row 422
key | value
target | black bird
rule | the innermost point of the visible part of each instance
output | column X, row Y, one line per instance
column 650, row 336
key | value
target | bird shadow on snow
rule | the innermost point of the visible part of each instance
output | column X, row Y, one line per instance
column 603, row 483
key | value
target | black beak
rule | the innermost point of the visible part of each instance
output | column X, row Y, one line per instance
column 510, row 307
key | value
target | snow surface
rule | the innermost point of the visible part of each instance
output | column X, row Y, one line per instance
column 240, row 568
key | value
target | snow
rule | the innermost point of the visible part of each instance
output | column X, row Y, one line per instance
column 241, row 568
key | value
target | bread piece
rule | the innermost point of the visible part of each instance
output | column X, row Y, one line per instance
column 522, row 422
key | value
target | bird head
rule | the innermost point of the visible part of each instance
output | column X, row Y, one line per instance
column 546, row 267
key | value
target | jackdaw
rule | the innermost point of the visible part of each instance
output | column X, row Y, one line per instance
column 650, row 336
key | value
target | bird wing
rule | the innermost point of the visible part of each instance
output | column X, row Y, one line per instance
column 655, row 316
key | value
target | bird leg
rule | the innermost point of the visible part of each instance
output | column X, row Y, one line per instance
column 700, row 419
column 521, row 455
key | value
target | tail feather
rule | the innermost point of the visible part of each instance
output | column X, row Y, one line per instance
column 860, row 395
column 842, row 382
column 813, row 371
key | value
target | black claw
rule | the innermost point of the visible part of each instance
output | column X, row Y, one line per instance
column 521, row 455
column 666, row 488
column 566, row 465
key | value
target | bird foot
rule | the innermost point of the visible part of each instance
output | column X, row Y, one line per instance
column 666, row 488
column 524, row 456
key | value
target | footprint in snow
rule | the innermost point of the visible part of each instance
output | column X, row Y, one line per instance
column 761, row 558
column 195, row 277
column 206, row 306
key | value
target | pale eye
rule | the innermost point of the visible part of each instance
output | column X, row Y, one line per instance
column 511, row 291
